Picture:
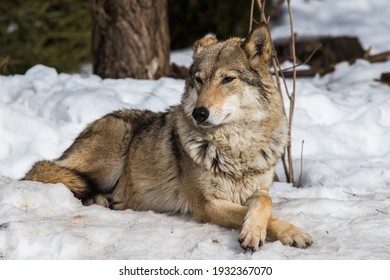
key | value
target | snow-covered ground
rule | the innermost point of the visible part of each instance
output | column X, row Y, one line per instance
column 343, row 118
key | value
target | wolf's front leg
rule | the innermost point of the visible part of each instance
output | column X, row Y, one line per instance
column 254, row 229
column 251, row 220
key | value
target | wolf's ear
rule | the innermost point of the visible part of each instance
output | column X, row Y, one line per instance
column 257, row 46
column 207, row 40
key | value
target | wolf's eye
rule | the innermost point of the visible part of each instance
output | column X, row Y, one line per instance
column 227, row 80
column 199, row 80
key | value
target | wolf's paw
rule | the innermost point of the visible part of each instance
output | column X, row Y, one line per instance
column 252, row 237
column 97, row 199
column 118, row 205
column 294, row 236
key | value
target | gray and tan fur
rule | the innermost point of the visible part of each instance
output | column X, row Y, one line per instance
column 213, row 155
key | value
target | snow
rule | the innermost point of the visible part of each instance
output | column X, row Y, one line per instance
column 343, row 118
column 367, row 20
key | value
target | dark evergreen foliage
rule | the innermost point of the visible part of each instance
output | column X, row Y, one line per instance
column 55, row 33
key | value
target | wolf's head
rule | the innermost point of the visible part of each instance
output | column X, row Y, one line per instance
column 229, row 80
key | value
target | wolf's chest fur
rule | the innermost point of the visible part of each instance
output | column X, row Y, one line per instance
column 235, row 160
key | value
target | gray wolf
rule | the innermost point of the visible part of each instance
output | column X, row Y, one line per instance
column 213, row 155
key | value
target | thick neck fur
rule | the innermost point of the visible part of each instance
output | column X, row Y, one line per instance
column 235, row 149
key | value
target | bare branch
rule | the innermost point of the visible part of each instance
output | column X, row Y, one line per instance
column 287, row 163
column 251, row 16
column 262, row 15
column 285, row 166
column 306, row 61
column 283, row 78
column 299, row 183
column 276, row 73
column 261, row 4
column 293, row 94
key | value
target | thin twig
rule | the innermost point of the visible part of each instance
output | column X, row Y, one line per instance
column 293, row 94
column 285, row 167
column 299, row 183
column 251, row 16
column 303, row 73
column 306, row 61
column 382, row 212
column 262, row 12
column 283, row 78
column 277, row 78
column 276, row 65
column 276, row 73
column 288, row 167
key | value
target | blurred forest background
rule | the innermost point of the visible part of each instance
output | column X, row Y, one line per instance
column 57, row 33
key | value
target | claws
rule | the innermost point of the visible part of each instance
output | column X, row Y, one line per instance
column 303, row 245
column 298, row 240
column 249, row 248
column 294, row 238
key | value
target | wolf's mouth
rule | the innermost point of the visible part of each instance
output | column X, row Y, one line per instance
column 204, row 124
column 208, row 124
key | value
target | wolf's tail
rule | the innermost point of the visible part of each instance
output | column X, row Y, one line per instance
column 50, row 172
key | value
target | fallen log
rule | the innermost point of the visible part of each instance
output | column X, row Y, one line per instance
column 323, row 53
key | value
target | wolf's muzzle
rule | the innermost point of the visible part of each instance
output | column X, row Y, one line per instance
column 200, row 114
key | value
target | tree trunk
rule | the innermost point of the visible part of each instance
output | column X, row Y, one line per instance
column 130, row 38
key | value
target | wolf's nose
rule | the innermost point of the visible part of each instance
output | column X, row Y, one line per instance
column 200, row 114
